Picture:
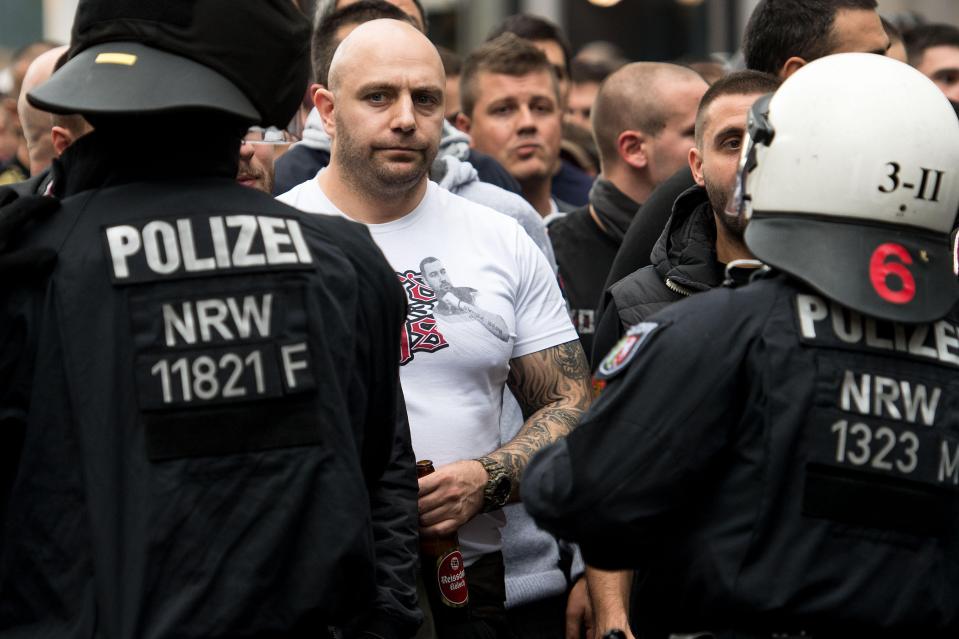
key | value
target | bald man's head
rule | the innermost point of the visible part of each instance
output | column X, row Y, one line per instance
column 384, row 43
column 644, row 97
column 36, row 124
column 383, row 107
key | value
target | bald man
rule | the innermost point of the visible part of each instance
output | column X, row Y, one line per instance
column 643, row 121
column 504, row 322
column 46, row 136
column 36, row 123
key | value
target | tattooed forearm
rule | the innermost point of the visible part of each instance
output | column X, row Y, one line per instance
column 552, row 387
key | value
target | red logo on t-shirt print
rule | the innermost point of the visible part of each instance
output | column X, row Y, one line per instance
column 420, row 333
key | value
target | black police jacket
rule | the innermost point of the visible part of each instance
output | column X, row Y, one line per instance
column 195, row 398
column 770, row 461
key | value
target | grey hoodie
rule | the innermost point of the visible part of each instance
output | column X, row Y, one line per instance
column 461, row 178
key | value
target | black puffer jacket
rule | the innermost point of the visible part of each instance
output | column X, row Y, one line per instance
column 683, row 262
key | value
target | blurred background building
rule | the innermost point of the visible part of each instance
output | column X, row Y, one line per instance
column 642, row 29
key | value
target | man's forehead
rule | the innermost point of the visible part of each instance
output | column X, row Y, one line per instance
column 364, row 55
column 394, row 74
column 940, row 56
column 858, row 31
column 728, row 110
column 496, row 86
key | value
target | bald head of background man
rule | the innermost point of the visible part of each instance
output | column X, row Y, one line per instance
column 383, row 109
column 644, row 122
column 46, row 135
column 36, row 124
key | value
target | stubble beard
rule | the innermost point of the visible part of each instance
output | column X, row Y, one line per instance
column 366, row 173
column 735, row 224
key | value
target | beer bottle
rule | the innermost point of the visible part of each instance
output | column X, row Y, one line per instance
column 444, row 573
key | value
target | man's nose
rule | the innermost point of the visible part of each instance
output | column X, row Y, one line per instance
column 246, row 150
column 404, row 116
column 526, row 123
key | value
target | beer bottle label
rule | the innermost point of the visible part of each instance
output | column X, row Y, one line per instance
column 451, row 577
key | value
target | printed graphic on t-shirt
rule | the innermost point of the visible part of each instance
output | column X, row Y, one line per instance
column 431, row 293
column 420, row 334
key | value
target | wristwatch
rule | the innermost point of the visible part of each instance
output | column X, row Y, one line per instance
column 499, row 486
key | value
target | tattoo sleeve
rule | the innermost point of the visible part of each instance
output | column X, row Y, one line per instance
column 552, row 388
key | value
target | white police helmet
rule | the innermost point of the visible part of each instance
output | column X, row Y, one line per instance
column 850, row 180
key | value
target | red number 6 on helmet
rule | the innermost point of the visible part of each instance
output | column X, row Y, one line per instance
column 884, row 265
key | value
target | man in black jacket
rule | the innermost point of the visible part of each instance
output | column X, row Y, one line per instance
column 700, row 237
column 643, row 122
column 199, row 390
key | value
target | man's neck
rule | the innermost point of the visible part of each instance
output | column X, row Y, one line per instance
column 537, row 193
column 363, row 206
column 636, row 187
column 728, row 246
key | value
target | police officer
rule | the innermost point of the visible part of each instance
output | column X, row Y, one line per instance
column 197, row 384
column 782, row 459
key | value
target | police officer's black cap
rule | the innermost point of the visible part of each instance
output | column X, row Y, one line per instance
column 248, row 58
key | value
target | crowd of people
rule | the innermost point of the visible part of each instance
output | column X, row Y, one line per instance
column 347, row 250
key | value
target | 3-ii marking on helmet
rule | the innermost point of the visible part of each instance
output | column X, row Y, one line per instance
column 929, row 183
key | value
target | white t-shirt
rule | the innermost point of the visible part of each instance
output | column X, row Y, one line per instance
column 498, row 299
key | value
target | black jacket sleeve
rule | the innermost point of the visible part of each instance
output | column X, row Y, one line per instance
column 617, row 484
column 608, row 330
column 393, row 503
column 388, row 454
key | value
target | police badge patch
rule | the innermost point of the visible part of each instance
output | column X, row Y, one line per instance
column 625, row 350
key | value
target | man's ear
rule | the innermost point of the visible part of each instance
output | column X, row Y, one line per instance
column 62, row 139
column 324, row 102
column 632, row 149
column 696, row 166
column 790, row 66
column 312, row 91
column 463, row 122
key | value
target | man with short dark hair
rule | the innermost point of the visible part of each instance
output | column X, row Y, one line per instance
column 585, row 79
column 934, row 50
column 511, row 110
column 783, row 35
column 569, row 184
column 643, row 124
column 700, row 239
column 453, row 66
column 413, row 8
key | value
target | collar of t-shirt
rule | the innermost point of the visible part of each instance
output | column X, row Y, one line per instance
column 393, row 226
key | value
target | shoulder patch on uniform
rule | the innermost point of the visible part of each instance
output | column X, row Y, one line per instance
column 626, row 349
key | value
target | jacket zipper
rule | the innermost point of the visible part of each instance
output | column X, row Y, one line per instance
column 676, row 288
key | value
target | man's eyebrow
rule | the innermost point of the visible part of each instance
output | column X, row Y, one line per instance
column 943, row 73
column 375, row 86
column 730, row 131
column 429, row 88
